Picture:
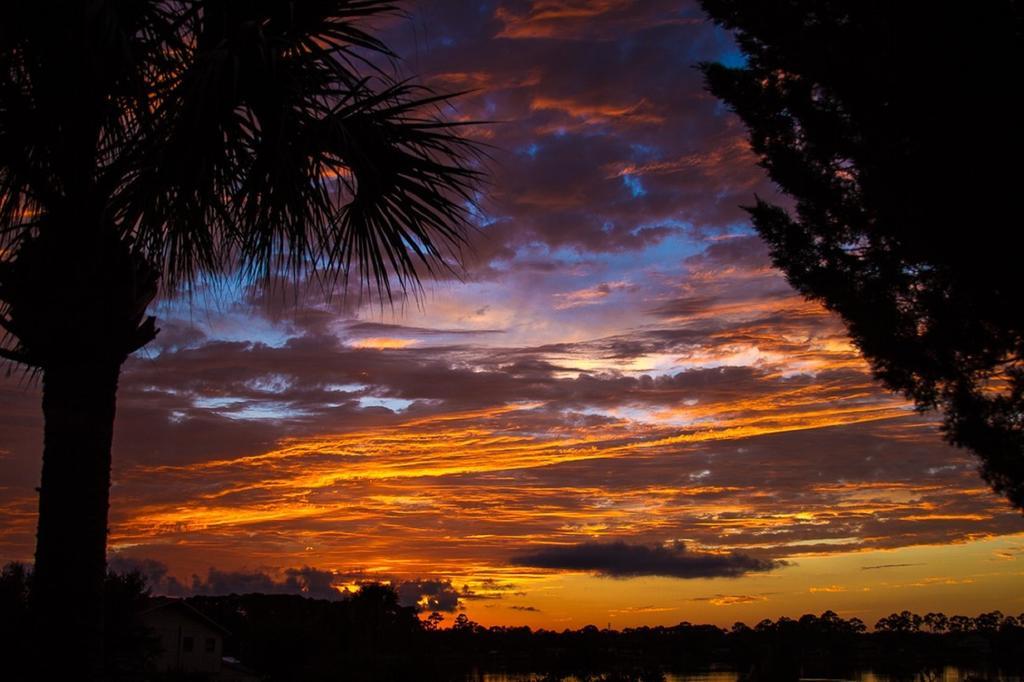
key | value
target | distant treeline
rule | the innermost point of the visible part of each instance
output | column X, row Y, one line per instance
column 370, row 636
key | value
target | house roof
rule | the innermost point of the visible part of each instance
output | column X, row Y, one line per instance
column 161, row 603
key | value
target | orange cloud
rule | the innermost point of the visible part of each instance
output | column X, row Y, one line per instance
column 574, row 19
column 591, row 114
column 383, row 343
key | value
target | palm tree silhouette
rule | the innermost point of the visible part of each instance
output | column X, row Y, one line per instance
column 146, row 143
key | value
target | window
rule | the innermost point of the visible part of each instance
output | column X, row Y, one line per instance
column 211, row 645
column 187, row 644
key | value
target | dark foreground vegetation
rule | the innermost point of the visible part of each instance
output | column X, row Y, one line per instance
column 371, row 636
column 936, row 315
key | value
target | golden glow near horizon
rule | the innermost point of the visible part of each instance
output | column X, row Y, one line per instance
column 450, row 496
column 619, row 364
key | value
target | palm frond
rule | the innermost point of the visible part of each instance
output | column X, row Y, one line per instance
column 282, row 144
column 261, row 135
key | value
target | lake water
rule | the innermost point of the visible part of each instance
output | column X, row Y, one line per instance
column 949, row 674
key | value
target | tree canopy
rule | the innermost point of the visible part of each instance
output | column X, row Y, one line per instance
column 888, row 125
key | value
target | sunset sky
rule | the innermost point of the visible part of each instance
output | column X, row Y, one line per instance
column 621, row 414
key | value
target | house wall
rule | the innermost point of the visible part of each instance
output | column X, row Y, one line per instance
column 173, row 627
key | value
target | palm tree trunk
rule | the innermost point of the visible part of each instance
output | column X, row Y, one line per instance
column 67, row 585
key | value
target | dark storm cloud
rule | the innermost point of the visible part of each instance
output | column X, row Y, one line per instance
column 428, row 595
column 425, row 595
column 155, row 573
column 624, row 560
column 306, row 581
